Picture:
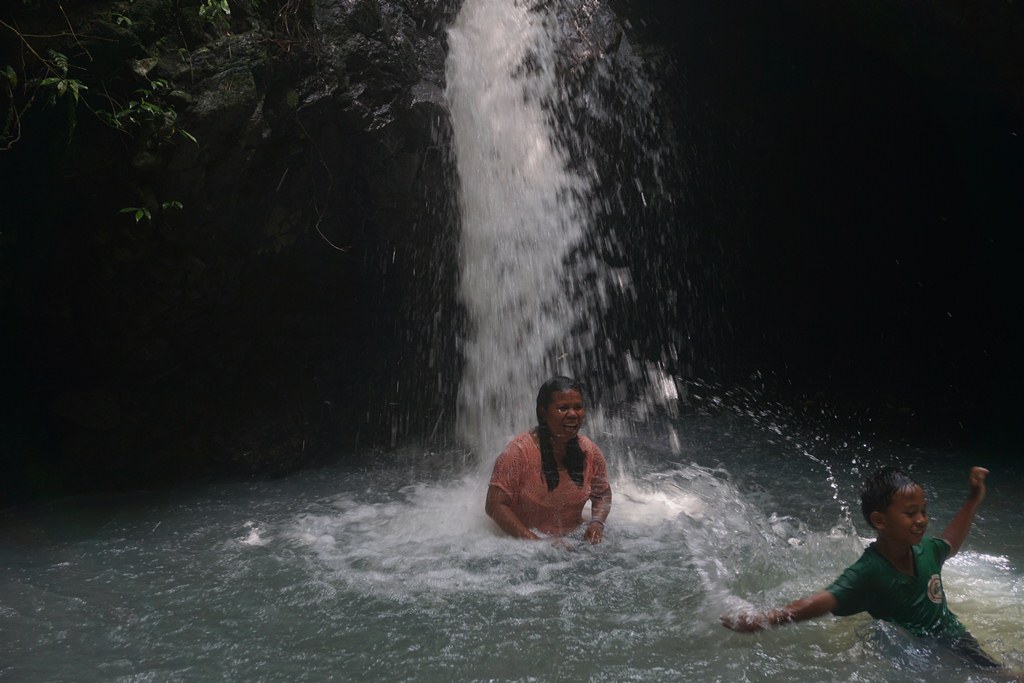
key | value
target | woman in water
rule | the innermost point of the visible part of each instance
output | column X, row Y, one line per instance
column 545, row 476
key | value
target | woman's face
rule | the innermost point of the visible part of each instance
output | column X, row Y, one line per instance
column 564, row 414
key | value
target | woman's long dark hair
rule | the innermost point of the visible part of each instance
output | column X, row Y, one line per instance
column 575, row 459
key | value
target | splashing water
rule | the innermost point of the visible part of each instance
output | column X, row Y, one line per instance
column 393, row 573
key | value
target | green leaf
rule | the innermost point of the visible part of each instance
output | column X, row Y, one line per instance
column 139, row 211
column 60, row 60
column 76, row 86
column 12, row 76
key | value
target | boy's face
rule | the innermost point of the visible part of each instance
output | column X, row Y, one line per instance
column 906, row 518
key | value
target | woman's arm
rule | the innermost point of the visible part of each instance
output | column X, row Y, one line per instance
column 956, row 533
column 499, row 508
column 805, row 608
column 600, row 500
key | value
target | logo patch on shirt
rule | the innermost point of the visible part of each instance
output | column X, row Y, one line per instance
column 935, row 589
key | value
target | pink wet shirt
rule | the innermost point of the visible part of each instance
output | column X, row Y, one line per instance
column 518, row 473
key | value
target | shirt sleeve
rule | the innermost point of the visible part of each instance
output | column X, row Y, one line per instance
column 507, row 474
column 851, row 591
column 940, row 548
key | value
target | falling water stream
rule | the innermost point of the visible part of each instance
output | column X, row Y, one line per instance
column 523, row 214
column 390, row 571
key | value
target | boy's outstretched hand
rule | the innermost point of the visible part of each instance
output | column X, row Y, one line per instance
column 744, row 622
column 807, row 607
column 976, row 479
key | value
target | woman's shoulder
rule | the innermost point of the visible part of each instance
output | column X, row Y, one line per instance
column 529, row 436
column 524, row 441
column 588, row 446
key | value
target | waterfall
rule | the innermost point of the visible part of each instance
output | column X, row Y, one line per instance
column 524, row 216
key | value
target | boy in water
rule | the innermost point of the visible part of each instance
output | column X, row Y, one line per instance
column 897, row 578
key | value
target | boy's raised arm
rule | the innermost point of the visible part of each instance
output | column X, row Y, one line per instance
column 958, row 527
column 799, row 610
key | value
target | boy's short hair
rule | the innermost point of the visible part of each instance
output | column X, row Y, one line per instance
column 877, row 490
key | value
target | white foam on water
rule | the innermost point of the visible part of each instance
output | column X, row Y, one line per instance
column 986, row 592
column 254, row 536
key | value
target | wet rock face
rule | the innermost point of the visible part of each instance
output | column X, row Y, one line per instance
column 239, row 328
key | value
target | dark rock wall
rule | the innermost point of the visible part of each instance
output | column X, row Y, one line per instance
column 258, row 327
column 859, row 165
column 836, row 163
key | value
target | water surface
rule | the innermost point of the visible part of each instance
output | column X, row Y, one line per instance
column 391, row 572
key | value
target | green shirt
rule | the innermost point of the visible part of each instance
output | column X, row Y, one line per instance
column 917, row 603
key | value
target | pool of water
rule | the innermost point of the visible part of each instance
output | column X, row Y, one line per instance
column 391, row 572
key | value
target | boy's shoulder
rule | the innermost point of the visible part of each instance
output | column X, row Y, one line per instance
column 935, row 549
column 869, row 564
column 869, row 560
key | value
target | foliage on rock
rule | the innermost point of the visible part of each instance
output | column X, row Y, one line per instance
column 195, row 207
